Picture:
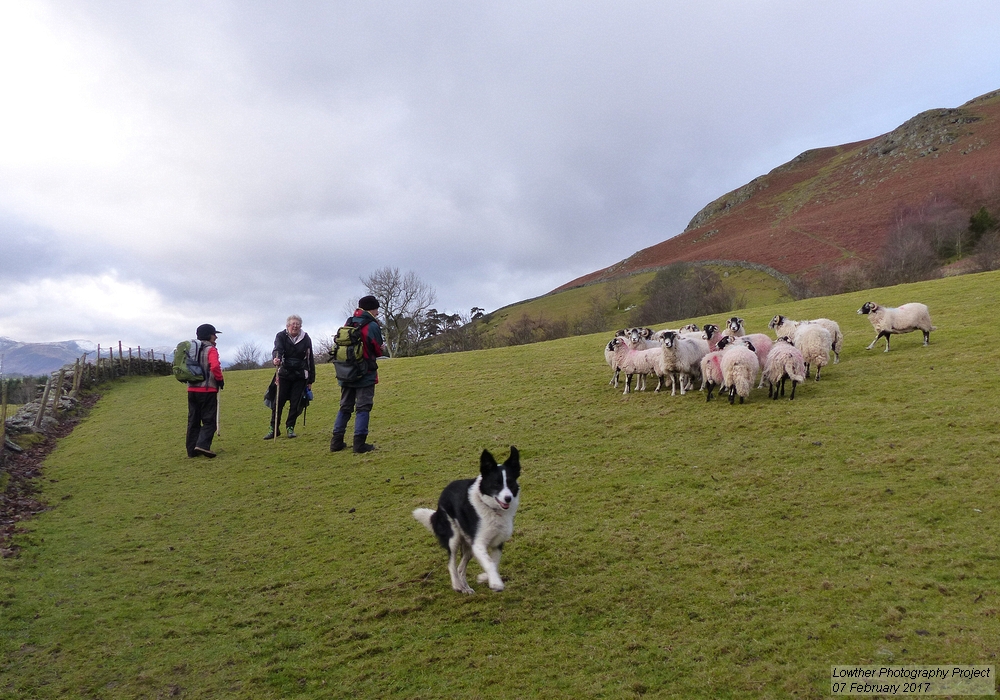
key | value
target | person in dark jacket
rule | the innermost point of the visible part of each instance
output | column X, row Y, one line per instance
column 293, row 356
column 360, row 395
column 203, row 396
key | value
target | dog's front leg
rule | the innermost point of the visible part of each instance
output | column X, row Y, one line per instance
column 458, row 560
column 495, row 556
column 486, row 560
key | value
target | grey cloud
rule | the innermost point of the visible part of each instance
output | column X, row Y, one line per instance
column 496, row 150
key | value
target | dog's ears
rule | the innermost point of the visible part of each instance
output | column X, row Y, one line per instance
column 486, row 462
column 513, row 462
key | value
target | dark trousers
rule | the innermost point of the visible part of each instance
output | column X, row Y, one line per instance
column 202, row 408
column 362, row 400
column 292, row 390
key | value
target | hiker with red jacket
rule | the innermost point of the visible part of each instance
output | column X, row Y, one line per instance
column 203, row 396
column 359, row 395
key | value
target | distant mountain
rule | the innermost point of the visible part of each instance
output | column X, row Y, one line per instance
column 831, row 206
column 33, row 359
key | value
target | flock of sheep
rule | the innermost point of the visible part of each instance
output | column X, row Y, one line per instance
column 731, row 360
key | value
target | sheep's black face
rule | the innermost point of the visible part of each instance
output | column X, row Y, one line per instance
column 750, row 346
column 868, row 308
column 776, row 321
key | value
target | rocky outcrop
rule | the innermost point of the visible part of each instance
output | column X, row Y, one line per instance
column 923, row 135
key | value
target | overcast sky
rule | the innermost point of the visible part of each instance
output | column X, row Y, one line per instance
column 165, row 164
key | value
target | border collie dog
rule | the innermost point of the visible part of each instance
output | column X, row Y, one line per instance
column 475, row 517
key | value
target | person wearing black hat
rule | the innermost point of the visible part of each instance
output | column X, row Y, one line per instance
column 203, row 396
column 359, row 396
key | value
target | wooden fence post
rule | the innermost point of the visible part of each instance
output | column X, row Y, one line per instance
column 59, row 389
column 76, row 379
column 41, row 408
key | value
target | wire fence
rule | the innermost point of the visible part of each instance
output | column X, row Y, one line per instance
column 62, row 388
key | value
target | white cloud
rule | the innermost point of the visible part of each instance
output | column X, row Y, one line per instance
column 272, row 154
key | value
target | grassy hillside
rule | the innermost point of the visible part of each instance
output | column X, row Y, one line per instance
column 756, row 288
column 665, row 546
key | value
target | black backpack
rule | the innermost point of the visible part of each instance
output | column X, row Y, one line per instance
column 347, row 355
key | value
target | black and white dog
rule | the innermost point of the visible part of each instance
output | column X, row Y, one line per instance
column 475, row 517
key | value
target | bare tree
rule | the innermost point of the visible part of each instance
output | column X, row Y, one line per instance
column 324, row 349
column 618, row 288
column 404, row 301
column 987, row 255
column 248, row 356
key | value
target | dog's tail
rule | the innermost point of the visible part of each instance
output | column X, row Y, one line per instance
column 423, row 515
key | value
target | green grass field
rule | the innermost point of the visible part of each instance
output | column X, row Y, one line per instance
column 664, row 547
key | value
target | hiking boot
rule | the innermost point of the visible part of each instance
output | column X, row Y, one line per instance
column 270, row 434
column 290, row 432
column 206, row 452
column 360, row 445
column 337, row 442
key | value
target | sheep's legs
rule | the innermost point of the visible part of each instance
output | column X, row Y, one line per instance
column 882, row 334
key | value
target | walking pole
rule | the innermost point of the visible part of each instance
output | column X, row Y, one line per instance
column 277, row 392
column 218, row 415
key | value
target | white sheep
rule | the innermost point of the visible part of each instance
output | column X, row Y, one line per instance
column 782, row 325
column 644, row 336
column 887, row 320
column 609, row 357
column 739, row 369
column 734, row 327
column 814, row 342
column 682, row 359
column 785, row 361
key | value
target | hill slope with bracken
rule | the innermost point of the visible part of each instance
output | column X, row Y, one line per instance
column 830, row 206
